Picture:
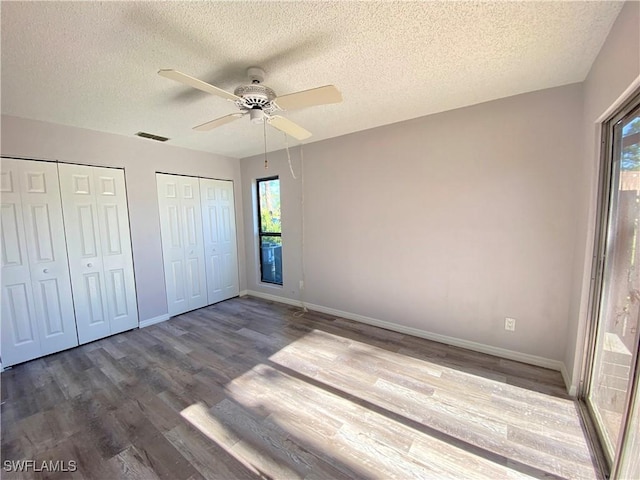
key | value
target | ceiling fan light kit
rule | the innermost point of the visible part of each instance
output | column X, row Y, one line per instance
column 256, row 115
column 260, row 102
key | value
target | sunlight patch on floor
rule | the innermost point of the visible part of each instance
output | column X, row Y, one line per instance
column 374, row 412
column 319, row 427
column 198, row 415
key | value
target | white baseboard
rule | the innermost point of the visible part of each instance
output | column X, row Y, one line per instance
column 456, row 342
column 152, row 321
column 273, row 298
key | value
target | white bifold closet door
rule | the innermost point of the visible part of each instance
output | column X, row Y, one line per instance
column 97, row 227
column 182, row 242
column 37, row 308
column 219, row 227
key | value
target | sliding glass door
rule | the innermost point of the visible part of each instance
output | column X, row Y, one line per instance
column 629, row 464
column 613, row 375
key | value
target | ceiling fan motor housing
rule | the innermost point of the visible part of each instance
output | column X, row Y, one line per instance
column 256, row 96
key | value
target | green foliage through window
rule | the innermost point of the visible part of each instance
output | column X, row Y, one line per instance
column 269, row 196
column 631, row 145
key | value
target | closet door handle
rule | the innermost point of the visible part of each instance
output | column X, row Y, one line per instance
column 46, row 270
column 89, row 265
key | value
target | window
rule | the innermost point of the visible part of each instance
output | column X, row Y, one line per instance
column 269, row 230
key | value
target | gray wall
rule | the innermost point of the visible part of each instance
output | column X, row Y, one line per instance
column 446, row 223
column 614, row 70
column 140, row 159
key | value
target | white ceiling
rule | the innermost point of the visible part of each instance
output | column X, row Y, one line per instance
column 94, row 64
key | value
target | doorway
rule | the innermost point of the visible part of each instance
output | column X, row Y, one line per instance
column 612, row 379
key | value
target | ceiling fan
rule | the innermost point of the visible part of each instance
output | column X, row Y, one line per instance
column 260, row 102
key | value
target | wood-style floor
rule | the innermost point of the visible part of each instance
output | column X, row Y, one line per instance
column 245, row 389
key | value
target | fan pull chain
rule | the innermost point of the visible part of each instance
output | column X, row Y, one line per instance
column 286, row 146
column 264, row 128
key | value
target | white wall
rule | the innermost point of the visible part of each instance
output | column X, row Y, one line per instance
column 446, row 223
column 140, row 159
column 615, row 70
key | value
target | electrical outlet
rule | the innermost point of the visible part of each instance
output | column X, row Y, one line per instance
column 301, row 285
column 510, row 324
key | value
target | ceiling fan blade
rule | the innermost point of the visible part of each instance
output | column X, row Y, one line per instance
column 218, row 122
column 199, row 84
column 288, row 127
column 309, row 98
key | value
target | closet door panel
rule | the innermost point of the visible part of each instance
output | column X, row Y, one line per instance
column 228, row 241
column 196, row 283
column 178, row 278
column 117, row 260
column 213, row 253
column 48, row 260
column 193, row 244
column 219, row 239
column 37, row 309
column 85, row 253
column 182, row 246
column 172, row 244
column 19, row 329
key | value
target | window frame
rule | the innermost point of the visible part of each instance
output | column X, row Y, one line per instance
column 262, row 233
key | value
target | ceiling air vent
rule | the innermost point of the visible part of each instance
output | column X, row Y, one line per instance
column 151, row 136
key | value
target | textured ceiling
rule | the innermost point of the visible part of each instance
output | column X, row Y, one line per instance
column 94, row 64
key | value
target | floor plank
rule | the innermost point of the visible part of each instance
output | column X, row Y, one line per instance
column 246, row 389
